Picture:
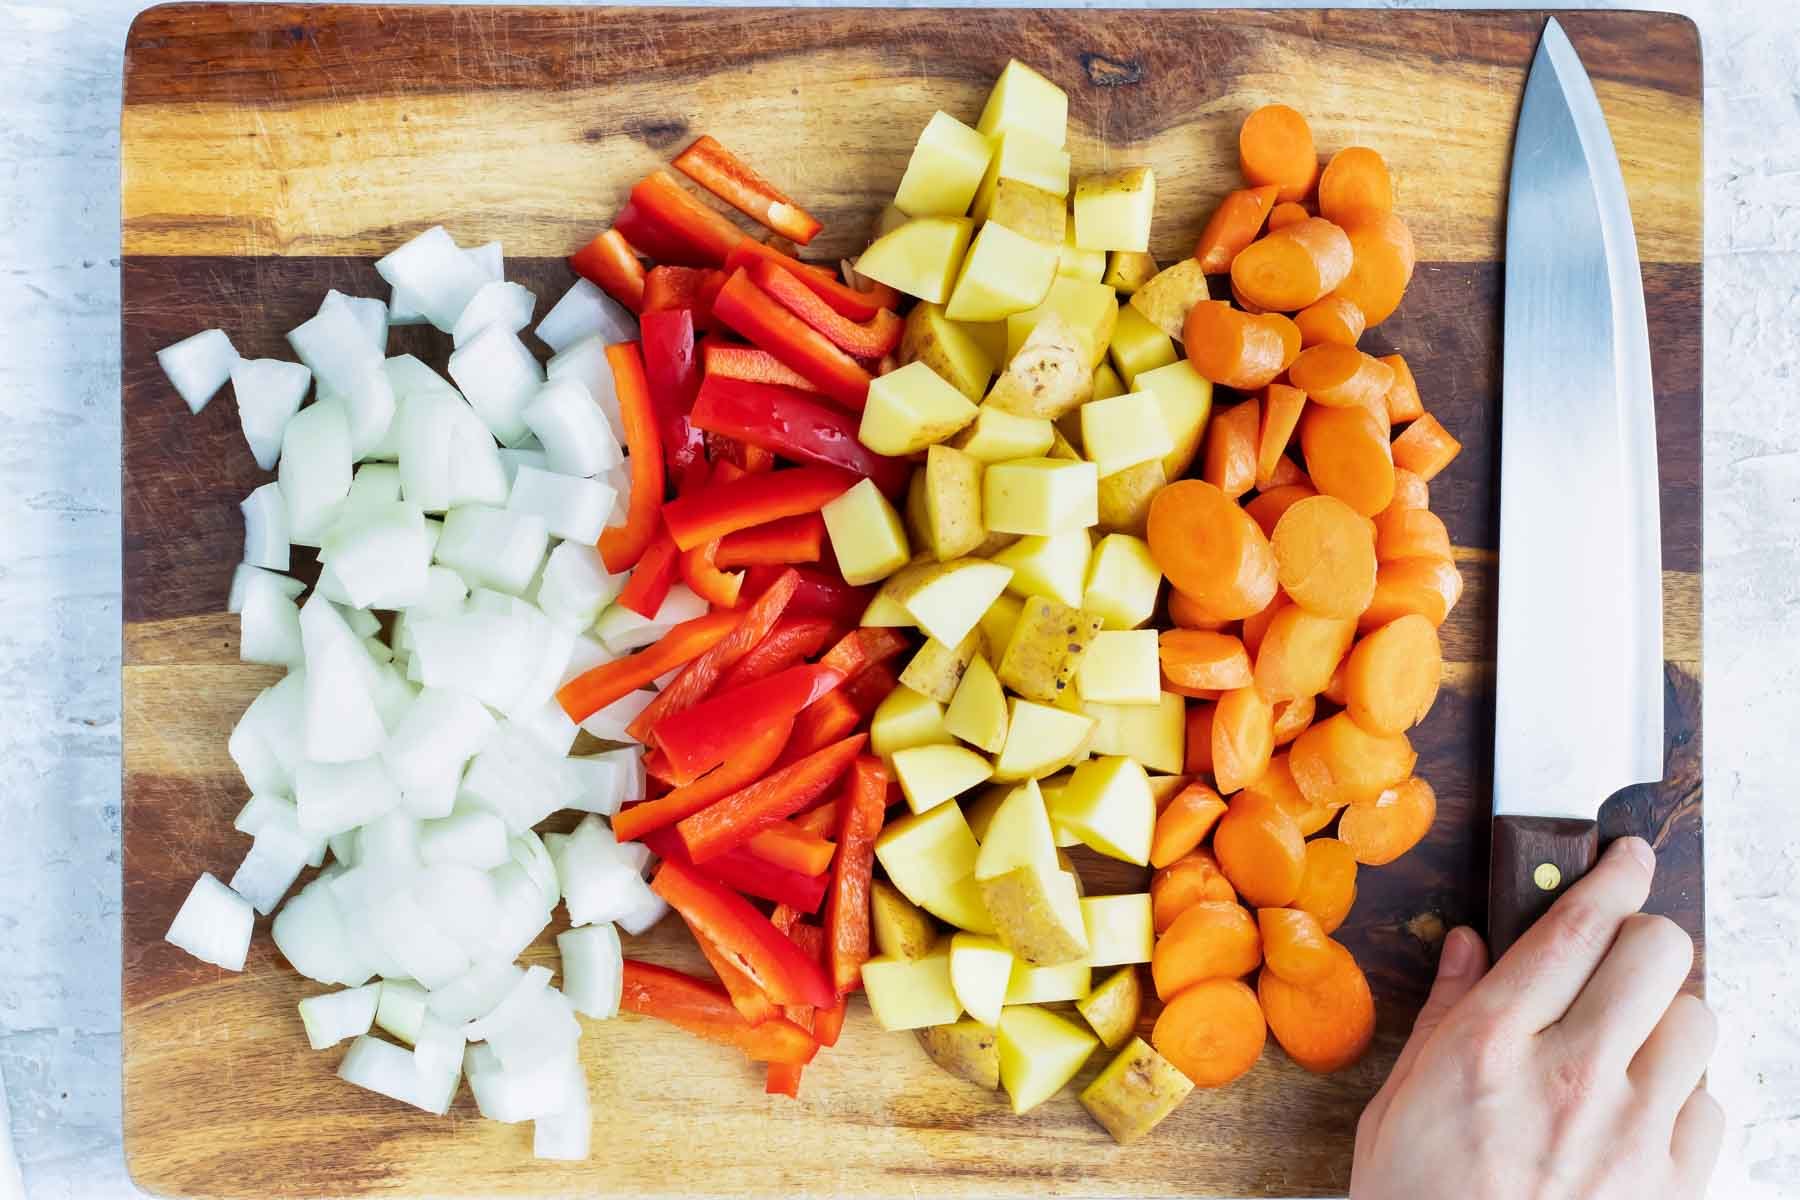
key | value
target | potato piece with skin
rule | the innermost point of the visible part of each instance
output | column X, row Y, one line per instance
column 1049, row 566
column 866, row 534
column 948, row 349
column 901, row 928
column 1186, row 399
column 1037, row 913
column 1046, row 648
column 1040, row 740
column 977, row 714
column 997, row 435
column 947, row 165
column 1076, row 263
column 1138, row 345
column 1041, row 496
column 1135, row 1092
column 911, row 408
column 1049, row 375
column 1113, row 211
column 1165, row 300
column 950, row 497
column 932, row 775
column 1128, row 270
column 919, row 258
column 1023, row 156
column 1123, row 499
column 1124, row 431
column 1090, row 310
column 937, row 669
column 997, row 624
column 930, row 858
column 1025, row 208
column 1039, row 1052
column 906, row 718
column 947, row 599
column 967, row 1049
column 1003, row 273
column 1063, row 447
column 1112, row 1009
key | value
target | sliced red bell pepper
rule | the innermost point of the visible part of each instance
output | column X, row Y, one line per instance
column 818, row 594
column 611, row 264
column 725, row 723
column 866, row 692
column 821, row 819
column 672, row 369
column 795, row 539
column 724, row 508
column 649, row 582
column 690, row 288
column 795, row 425
column 744, row 935
column 657, row 769
column 593, row 690
column 862, row 648
column 858, row 306
column 746, row 768
column 752, row 1003
column 743, row 306
column 740, row 816
column 672, row 226
column 703, row 1009
column 821, row 724
column 622, row 545
column 792, row 641
column 743, row 872
column 784, row 1078
column 731, row 360
column 827, row 1021
column 860, row 339
column 861, row 810
column 703, row 672
column 732, row 180
column 787, row 845
column 700, row 571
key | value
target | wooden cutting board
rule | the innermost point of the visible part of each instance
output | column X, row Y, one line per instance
column 272, row 152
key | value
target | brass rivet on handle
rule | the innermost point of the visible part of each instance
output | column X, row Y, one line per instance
column 1547, row 877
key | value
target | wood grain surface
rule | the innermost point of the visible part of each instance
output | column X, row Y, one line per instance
column 270, row 152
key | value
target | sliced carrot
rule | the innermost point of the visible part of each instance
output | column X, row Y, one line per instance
column 1184, row 823
column 1292, row 717
column 1410, row 533
column 1324, row 558
column 1409, row 492
column 1391, row 680
column 1243, row 737
column 1338, row 762
column 1295, row 948
column 1356, row 179
column 1211, row 549
column 1261, row 851
column 1347, row 456
column 1229, row 462
column 1330, row 320
column 1334, row 691
column 1341, row 376
column 1294, row 267
column 1233, row 225
column 1300, row 651
column 1425, row 448
column 1238, row 298
column 1200, row 659
column 1188, row 613
column 1275, row 145
column 1231, row 348
column 1427, row 586
column 1402, row 399
column 1267, row 507
column 1292, row 342
column 1256, row 627
column 1277, row 786
column 1211, row 940
column 1286, row 213
column 1382, row 263
column 1328, row 889
column 1189, row 880
column 1287, row 473
column 1280, row 411
column 1327, row 1025
column 1192, row 693
column 1380, row 830
column 1213, row 1033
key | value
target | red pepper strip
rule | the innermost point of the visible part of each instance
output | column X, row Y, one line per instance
column 787, row 845
column 793, row 640
column 692, row 288
column 731, row 179
column 745, row 813
column 743, row 872
column 784, row 1079
column 593, row 690
column 861, row 810
column 667, row 222
column 700, row 571
column 656, row 766
column 698, row 678
column 861, row 649
column 725, row 723
column 784, row 917
column 672, row 368
column 746, row 768
column 724, row 508
column 858, row 306
column 622, row 545
column 732, row 361
column 649, row 583
column 610, row 263
column 752, row 1003
column 795, row 425
column 860, row 339
column 832, row 718
column 744, row 935
column 821, row 820
column 866, row 692
column 828, row 1022
column 743, row 306
column 818, row 594
column 703, row 1009
column 789, row 540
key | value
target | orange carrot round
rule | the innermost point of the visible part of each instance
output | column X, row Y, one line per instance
column 1213, row 1033
column 1382, row 263
column 1380, row 830
column 1276, row 785
column 1286, row 213
column 1198, row 759
column 1402, row 400
column 1410, row 491
column 1331, row 320
column 1184, row 823
column 1328, row 888
column 1211, row 549
column 1427, row 586
column 1292, row 343
column 1355, row 179
column 1243, row 737
column 1268, row 506
column 1347, row 456
column 1256, row 626
column 1334, row 690
column 1323, row 557
column 1187, row 881
column 1391, row 680
column 1211, row 940
column 1292, row 717
column 1287, row 270
column 1300, row 651
column 1425, row 448
column 1287, row 473
column 1341, row 376
column 1410, row 533
column 1260, row 849
column 1280, row 410
column 1233, row 225
column 1337, row 762
column 1244, row 302
column 1201, row 659
column 1295, row 948
column 1275, row 145
column 1327, row 1025
column 1234, row 349
column 1229, row 462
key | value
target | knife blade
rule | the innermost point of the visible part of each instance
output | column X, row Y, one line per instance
column 1578, row 711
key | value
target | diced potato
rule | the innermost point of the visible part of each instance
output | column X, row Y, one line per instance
column 1109, row 807
column 1128, row 270
column 930, row 857
column 947, row 599
column 1088, row 309
column 1138, row 346
column 948, row 349
column 1003, row 273
column 1119, row 928
column 1170, row 295
column 990, row 336
column 1039, row 1052
column 1135, row 1092
column 1048, row 985
column 1040, row 740
column 1062, row 447
column 889, row 219
column 911, row 993
column 1052, row 787
column 1049, row 566
column 1040, row 215
column 1111, row 1010
column 866, row 535
column 901, row 928
column 994, row 544
column 906, row 718
column 1164, row 788
column 977, row 714
column 980, row 811
column 920, row 258
column 997, row 624
column 1040, row 496
column 950, row 503
column 1186, row 399
column 1112, row 211
column 947, row 165
column 997, row 435
column 912, row 517
column 1122, row 582
column 967, row 1049
column 1037, row 912
column 1049, row 376
column 1124, row 498
column 909, row 409
column 1155, row 735
column 937, row 668
column 885, row 609
column 1021, row 156
column 1024, row 99
column 1107, row 383
column 1076, row 263
column 930, row 775
column 1017, row 832
column 980, row 969
column 1124, row 431
column 1046, row 648
column 1121, row 667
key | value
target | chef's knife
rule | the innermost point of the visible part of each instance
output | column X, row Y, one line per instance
column 1579, row 707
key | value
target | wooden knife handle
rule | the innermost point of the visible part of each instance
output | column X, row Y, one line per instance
column 1534, row 860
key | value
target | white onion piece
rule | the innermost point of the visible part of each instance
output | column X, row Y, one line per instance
column 498, row 376
column 624, row 630
column 266, row 528
column 263, row 810
column 401, row 1011
column 592, row 969
column 391, row 1071
column 514, row 1096
column 445, row 590
column 488, row 655
column 472, row 839
column 378, row 553
column 532, row 856
column 578, row 438
column 490, row 600
column 516, row 1003
column 507, row 305
column 423, row 951
column 474, row 993
column 315, row 469
column 256, row 759
column 620, row 478
column 440, row 732
column 198, row 366
column 461, row 901
column 369, row 407
column 489, row 258
column 403, row 309
column 588, row 652
column 374, row 483
column 477, row 476
column 435, row 275
column 566, row 1136
column 598, row 882
column 390, row 845
column 342, row 721
column 412, row 377
column 555, row 643
column 240, row 581
column 343, row 852
column 642, row 914
column 586, row 311
column 514, row 457
column 493, row 547
column 516, row 777
column 334, row 1016
column 585, row 362
column 335, row 345
column 371, row 314
column 269, row 392
column 545, row 1030
column 438, row 1050
column 393, row 693
column 570, row 507
column 334, row 797
column 213, row 925
column 609, row 780
column 423, row 442
column 550, row 725
column 608, row 724
column 361, row 622
column 310, row 933
column 268, row 624
column 275, row 860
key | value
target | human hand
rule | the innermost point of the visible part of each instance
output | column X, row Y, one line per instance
column 1571, row 1071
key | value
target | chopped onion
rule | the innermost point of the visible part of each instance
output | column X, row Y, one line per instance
column 474, row 994
column 514, row 1096
column 361, row 622
column 378, row 553
column 516, row 777
column 461, row 901
column 544, row 1029
column 310, row 933
column 315, row 469
column 599, row 883
column 470, row 838
column 213, row 924
column 608, row 724
column 493, row 547
column 438, row 1050
column 369, row 407
column 334, row 1016
column 514, row 457
column 586, row 311
column 435, row 275
column 441, row 731
column 592, row 969
column 401, row 1011
column 403, row 309
column 389, row 845
column 570, row 507
column 371, row 314
column 578, row 438
column 507, row 305
column 489, row 258
column 609, row 780
column 532, row 856
column 269, row 392
column 391, row 1071
column 624, row 630
column 514, row 1004
column 411, row 377
column 334, row 797
column 488, row 655
column 240, row 582
column 276, row 858
column 268, row 624
column 585, row 362
column 423, row 951
column 620, row 478
column 342, row 722
column 499, row 377
column 198, row 366
column 565, row 1136
column 336, row 346
column 555, row 643
column 266, row 528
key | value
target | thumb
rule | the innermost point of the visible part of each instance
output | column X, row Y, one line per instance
column 1461, row 964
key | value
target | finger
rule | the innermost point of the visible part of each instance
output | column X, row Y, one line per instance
column 1669, row 1066
column 1699, row 1131
column 1461, row 964
column 1534, row 983
column 1629, row 991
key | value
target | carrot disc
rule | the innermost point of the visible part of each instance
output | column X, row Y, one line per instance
column 1286, row 213
column 1337, row 762
column 1326, row 1026
column 1211, row 940
column 1333, row 320
column 1184, row 823
column 1229, row 462
column 1382, row 263
column 1243, row 737
column 1324, row 558
column 1211, row 549
column 1427, row 586
column 1275, row 145
column 1295, row 947
column 1410, row 533
column 1300, row 651
column 1233, row 225
column 1355, row 180
column 1260, row 849
column 1269, row 504
column 1276, row 786
column 1187, row 881
column 1292, row 717
column 1341, row 376
column 1213, row 1033
column 1379, row 831
column 1347, row 456
column 1234, row 349
column 1328, row 888
column 1290, row 269
column 1391, row 680
column 1402, row 400
column 1198, row 658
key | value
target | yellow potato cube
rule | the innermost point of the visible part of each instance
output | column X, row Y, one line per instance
column 1125, row 497
column 930, row 775
column 977, row 714
column 1020, row 155
column 1048, row 985
column 1108, row 805
column 1077, row 263
column 1107, row 383
column 1003, row 273
column 937, row 669
column 1154, row 734
column 997, row 624
column 1122, row 582
column 911, row 993
column 930, row 857
column 947, row 348
column 911, row 408
column 1138, row 346
column 1128, row 270
column 1119, row 929
column 990, row 336
column 866, row 534
column 948, row 599
column 1054, row 566
column 1024, row 99
column 889, row 219
column 1121, row 667
column 1041, row 496
column 1017, row 833
column 1040, row 740
column 997, row 435
column 947, row 165
column 919, row 258
column 1088, row 309
column 1123, row 431
column 1039, row 1052
column 1186, row 400
column 906, row 719
column 1042, row 216
column 1112, row 211
column 949, row 489
column 980, row 969
column 886, row 612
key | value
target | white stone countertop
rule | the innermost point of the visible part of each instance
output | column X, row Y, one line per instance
column 60, row 63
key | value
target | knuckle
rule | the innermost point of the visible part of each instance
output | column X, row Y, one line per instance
column 1666, row 941
column 1573, row 1081
column 1491, row 1051
column 1579, row 928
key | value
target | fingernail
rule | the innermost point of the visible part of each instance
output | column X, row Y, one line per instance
column 1458, row 957
column 1639, row 849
